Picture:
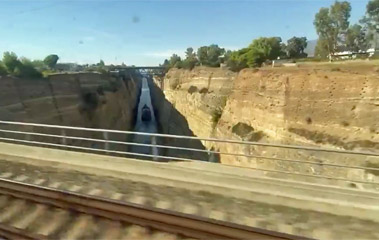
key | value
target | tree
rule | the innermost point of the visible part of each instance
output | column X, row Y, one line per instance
column 39, row 65
column 331, row 25
column 372, row 10
column 19, row 68
column 101, row 63
column 190, row 53
column 237, row 60
column 295, row 47
column 25, row 60
column 191, row 60
column 270, row 48
column 10, row 61
column 228, row 55
column 258, row 52
column 26, row 71
column 324, row 29
column 263, row 49
column 321, row 49
column 210, row 55
column 283, row 50
column 51, row 60
column 202, row 54
column 340, row 14
column 356, row 38
column 370, row 22
column 166, row 65
column 175, row 61
column 214, row 54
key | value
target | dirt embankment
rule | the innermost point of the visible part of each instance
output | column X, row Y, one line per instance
column 81, row 99
column 331, row 105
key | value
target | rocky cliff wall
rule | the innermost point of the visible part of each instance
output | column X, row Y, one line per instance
column 335, row 107
column 199, row 95
column 82, row 99
column 171, row 121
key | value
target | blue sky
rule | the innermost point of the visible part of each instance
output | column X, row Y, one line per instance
column 147, row 32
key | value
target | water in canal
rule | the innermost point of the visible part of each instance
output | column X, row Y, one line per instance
column 145, row 126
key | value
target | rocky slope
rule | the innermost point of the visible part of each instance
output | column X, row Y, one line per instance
column 333, row 106
column 81, row 99
column 190, row 104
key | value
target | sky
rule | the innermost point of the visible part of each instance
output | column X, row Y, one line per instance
column 147, row 32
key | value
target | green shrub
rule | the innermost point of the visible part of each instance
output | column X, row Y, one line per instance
column 26, row 71
column 18, row 67
column 189, row 63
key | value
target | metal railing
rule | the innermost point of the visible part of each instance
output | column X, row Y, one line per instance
column 179, row 148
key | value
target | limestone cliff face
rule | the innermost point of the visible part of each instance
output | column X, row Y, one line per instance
column 190, row 103
column 336, row 107
column 199, row 95
column 81, row 99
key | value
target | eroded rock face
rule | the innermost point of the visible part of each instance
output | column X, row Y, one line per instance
column 199, row 95
column 336, row 109
column 318, row 106
column 81, row 99
column 172, row 121
column 322, row 107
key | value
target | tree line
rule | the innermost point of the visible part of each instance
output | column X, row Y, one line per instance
column 336, row 34
column 260, row 50
column 12, row 65
column 332, row 26
column 23, row 67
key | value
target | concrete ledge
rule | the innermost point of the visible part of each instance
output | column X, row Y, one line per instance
column 225, row 180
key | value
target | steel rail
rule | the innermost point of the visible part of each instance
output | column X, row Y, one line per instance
column 179, row 159
column 197, row 138
column 188, row 149
column 165, row 220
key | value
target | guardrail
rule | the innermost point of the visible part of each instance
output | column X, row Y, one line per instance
column 283, row 160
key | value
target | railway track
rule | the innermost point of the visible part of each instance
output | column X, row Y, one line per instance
column 29, row 211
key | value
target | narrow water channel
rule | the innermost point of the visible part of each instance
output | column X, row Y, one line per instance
column 145, row 126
